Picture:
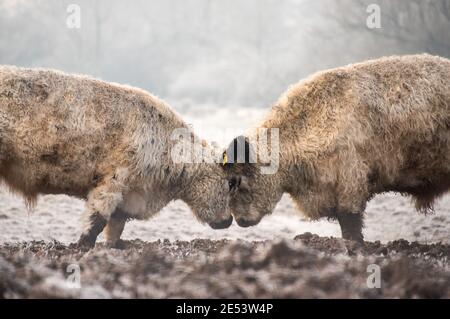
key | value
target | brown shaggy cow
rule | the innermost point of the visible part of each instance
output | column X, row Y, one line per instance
column 347, row 134
column 107, row 143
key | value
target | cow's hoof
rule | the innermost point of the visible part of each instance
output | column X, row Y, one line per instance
column 118, row 244
column 85, row 243
column 354, row 247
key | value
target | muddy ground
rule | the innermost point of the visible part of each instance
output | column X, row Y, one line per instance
column 172, row 255
column 308, row 266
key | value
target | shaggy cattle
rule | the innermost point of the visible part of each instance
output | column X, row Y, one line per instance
column 107, row 143
column 347, row 134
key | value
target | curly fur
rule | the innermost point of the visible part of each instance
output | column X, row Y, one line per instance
column 107, row 143
column 355, row 131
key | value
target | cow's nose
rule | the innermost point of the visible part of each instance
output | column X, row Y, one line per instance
column 245, row 222
column 222, row 224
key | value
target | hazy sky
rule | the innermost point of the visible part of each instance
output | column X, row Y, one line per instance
column 226, row 53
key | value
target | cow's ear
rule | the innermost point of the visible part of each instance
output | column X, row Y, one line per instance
column 239, row 155
column 225, row 163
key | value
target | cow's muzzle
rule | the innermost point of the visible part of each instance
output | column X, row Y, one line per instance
column 222, row 224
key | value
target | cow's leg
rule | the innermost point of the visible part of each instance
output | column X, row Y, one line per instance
column 101, row 203
column 351, row 226
column 114, row 229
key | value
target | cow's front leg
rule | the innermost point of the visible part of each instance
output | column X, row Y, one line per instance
column 102, row 202
column 351, row 226
column 114, row 229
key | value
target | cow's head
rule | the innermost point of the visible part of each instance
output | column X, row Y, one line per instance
column 207, row 196
column 252, row 193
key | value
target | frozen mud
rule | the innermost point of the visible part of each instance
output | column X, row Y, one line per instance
column 307, row 267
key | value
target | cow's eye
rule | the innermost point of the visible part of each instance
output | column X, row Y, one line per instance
column 233, row 183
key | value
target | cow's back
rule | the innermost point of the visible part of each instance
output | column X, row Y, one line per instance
column 63, row 133
column 381, row 125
